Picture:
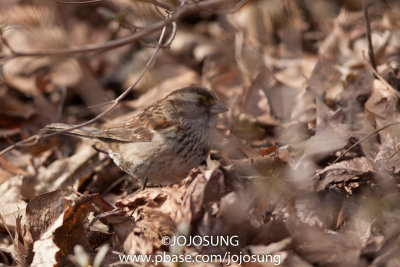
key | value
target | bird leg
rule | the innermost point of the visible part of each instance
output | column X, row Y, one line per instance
column 143, row 181
column 99, row 149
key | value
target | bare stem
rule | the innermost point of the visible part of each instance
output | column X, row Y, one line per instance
column 368, row 31
column 365, row 138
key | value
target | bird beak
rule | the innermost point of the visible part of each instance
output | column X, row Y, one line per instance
column 218, row 108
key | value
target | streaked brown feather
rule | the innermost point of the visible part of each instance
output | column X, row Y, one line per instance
column 140, row 128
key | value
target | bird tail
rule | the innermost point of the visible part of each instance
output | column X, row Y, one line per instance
column 83, row 132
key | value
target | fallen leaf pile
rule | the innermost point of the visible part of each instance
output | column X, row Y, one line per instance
column 297, row 78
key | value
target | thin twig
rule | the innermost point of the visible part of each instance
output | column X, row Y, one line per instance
column 368, row 30
column 377, row 75
column 172, row 36
column 365, row 138
column 3, row 221
column 154, row 2
column 167, row 43
column 61, row 103
column 26, row 142
column 5, row 42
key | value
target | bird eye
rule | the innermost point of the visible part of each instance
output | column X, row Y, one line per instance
column 205, row 101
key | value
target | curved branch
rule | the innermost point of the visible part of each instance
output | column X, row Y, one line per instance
column 180, row 12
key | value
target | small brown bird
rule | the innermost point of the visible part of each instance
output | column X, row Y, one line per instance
column 164, row 141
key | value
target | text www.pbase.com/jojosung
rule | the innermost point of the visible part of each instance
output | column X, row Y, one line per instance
column 227, row 258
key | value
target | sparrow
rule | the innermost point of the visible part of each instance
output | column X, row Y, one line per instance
column 164, row 141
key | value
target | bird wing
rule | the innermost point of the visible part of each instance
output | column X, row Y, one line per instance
column 140, row 128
